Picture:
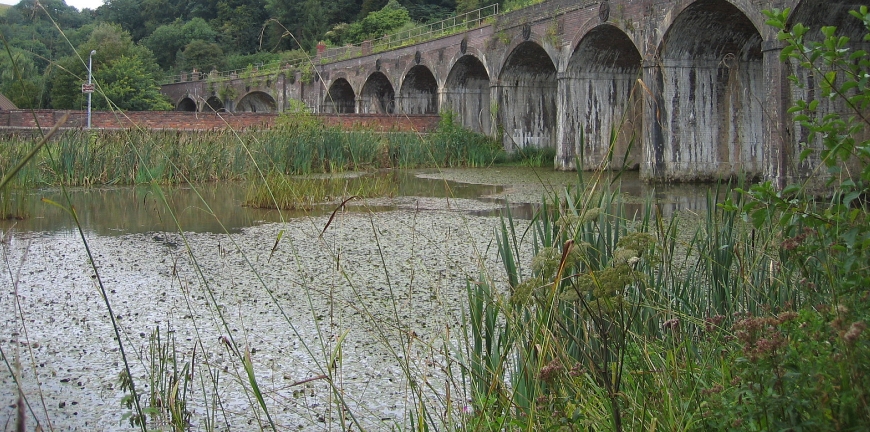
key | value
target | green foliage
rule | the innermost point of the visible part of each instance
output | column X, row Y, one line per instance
column 125, row 74
column 376, row 24
column 806, row 370
column 20, row 80
column 125, row 13
column 831, row 237
column 235, row 62
column 300, row 144
column 512, row 5
column 126, row 84
column 201, row 55
column 168, row 40
column 261, row 29
column 302, row 193
column 810, row 370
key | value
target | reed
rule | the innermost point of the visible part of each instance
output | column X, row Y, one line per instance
column 88, row 158
column 13, row 204
column 304, row 193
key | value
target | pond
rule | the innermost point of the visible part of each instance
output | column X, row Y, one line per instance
column 218, row 208
column 363, row 310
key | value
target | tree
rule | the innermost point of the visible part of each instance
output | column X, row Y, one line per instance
column 166, row 41
column 202, row 55
column 124, row 72
column 125, row 13
column 19, row 79
column 127, row 84
column 314, row 22
column 239, row 24
column 170, row 39
column 376, row 24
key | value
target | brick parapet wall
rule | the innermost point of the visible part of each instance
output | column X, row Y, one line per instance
column 180, row 120
column 540, row 12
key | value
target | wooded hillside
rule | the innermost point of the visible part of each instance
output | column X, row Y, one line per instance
column 138, row 42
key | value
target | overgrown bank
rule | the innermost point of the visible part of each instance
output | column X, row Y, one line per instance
column 755, row 320
column 298, row 145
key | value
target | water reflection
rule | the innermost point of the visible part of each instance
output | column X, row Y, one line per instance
column 667, row 198
column 218, row 207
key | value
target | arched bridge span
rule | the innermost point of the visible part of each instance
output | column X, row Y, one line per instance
column 681, row 89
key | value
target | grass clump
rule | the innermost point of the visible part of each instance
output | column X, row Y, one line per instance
column 13, row 204
column 285, row 192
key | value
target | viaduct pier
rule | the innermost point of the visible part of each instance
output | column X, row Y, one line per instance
column 681, row 89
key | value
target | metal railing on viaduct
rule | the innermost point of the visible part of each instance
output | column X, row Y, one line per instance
column 681, row 89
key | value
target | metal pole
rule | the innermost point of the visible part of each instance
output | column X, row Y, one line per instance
column 90, row 75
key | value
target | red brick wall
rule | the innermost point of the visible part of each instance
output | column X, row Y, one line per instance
column 180, row 120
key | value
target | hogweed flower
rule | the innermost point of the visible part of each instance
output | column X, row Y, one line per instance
column 625, row 256
column 523, row 292
column 546, row 263
column 638, row 241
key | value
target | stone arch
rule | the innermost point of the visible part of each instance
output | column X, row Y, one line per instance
column 527, row 97
column 377, row 95
column 186, row 104
column 711, row 71
column 340, row 98
column 213, row 104
column 553, row 54
column 256, row 101
column 593, row 24
column 748, row 8
column 466, row 93
column 419, row 92
column 815, row 14
column 471, row 51
column 600, row 117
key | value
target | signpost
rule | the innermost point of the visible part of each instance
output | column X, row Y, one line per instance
column 89, row 87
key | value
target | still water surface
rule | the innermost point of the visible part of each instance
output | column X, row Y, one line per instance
column 218, row 207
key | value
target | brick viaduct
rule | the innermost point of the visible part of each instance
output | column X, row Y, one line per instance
column 681, row 89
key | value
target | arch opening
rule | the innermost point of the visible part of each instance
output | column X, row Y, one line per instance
column 467, row 94
column 340, row 99
column 712, row 74
column 377, row 96
column 527, row 98
column 213, row 104
column 186, row 104
column 256, row 101
column 419, row 92
column 601, row 114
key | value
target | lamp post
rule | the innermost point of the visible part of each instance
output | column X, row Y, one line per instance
column 90, row 75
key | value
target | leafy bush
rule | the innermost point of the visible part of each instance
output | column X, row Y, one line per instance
column 811, row 369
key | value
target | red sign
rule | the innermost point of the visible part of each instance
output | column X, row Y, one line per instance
column 88, row 88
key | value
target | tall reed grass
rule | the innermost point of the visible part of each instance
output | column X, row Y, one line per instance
column 615, row 321
column 85, row 158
